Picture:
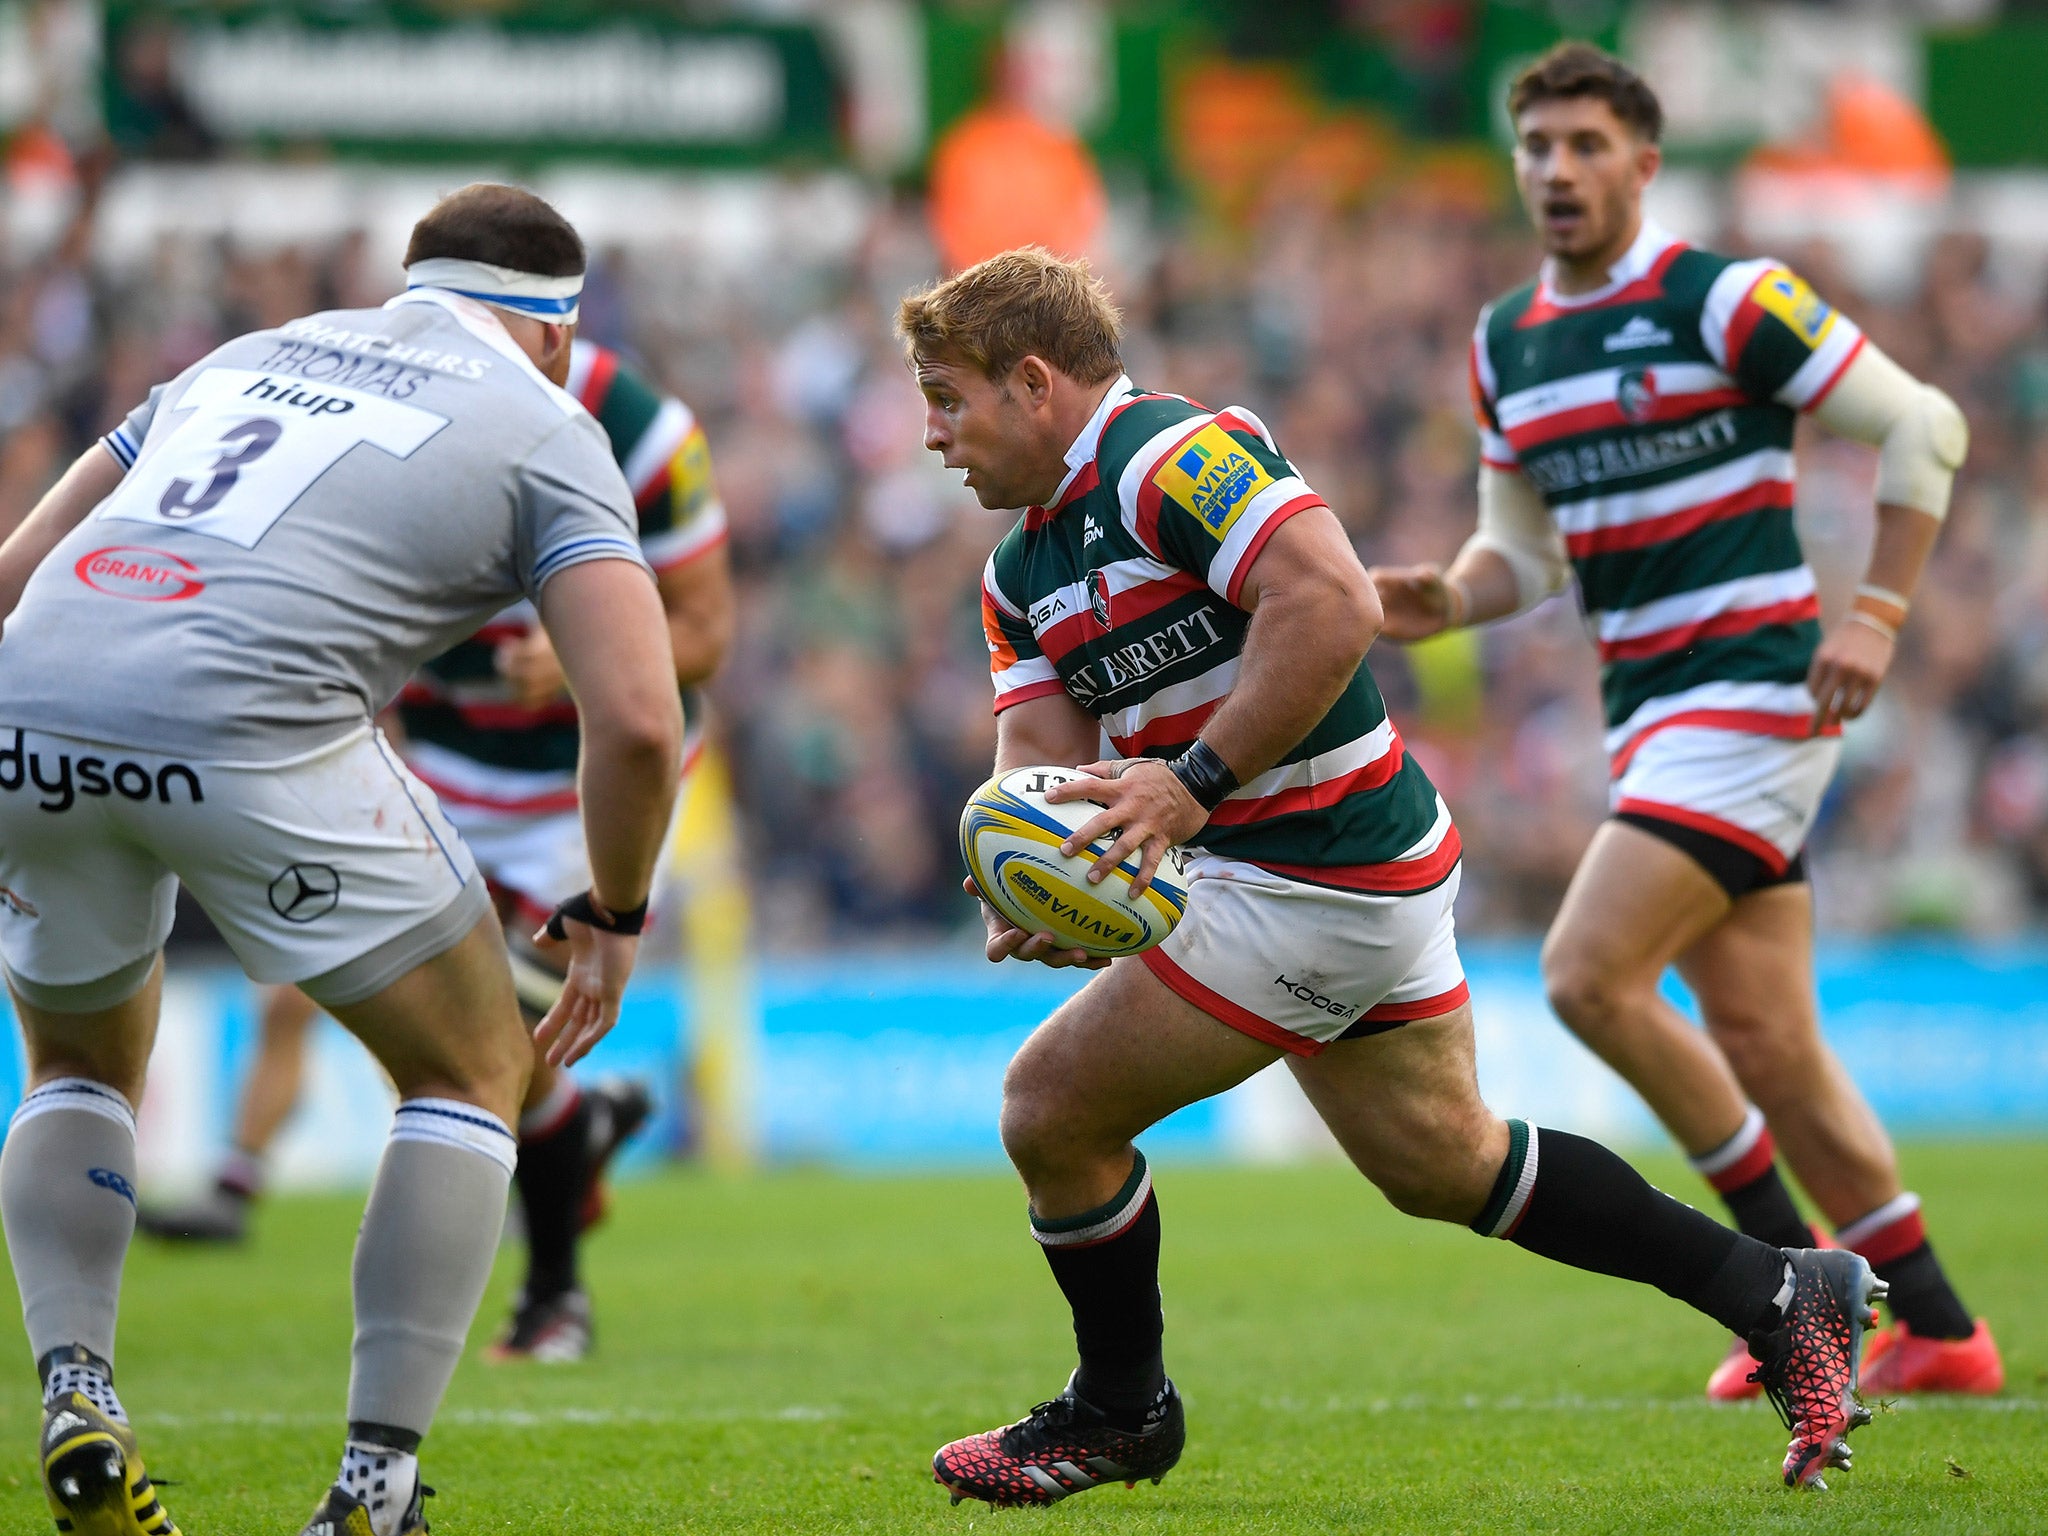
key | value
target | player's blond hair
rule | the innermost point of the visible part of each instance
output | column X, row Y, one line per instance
column 1023, row 303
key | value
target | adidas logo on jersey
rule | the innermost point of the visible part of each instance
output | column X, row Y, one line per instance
column 1642, row 331
column 1090, row 530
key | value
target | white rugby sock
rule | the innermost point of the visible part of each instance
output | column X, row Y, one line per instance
column 424, row 1253
column 383, row 1478
column 89, row 1379
column 67, row 1194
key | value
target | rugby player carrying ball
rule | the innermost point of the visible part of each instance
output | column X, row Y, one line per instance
column 1174, row 585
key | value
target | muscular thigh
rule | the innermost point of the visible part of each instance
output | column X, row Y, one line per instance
column 1756, row 966
column 450, row 1026
column 1634, row 905
column 1122, row 1053
column 1405, row 1107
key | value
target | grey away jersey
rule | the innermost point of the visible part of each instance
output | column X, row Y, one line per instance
column 308, row 514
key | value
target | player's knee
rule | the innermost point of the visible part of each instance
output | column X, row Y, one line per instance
column 1033, row 1131
column 1586, row 993
column 1441, row 1166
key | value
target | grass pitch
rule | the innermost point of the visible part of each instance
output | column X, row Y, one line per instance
column 783, row 1353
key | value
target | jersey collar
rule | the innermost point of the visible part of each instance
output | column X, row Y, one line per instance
column 1085, row 447
column 1636, row 263
column 478, row 320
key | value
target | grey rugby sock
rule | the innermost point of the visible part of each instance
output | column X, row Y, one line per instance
column 423, row 1256
column 67, row 1193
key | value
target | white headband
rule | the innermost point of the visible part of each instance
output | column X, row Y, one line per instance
column 544, row 298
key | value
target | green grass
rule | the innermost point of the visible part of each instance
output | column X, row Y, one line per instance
column 783, row 1353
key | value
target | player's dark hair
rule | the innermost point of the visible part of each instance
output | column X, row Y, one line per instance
column 1580, row 69
column 504, row 226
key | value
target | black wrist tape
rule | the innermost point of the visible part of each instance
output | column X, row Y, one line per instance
column 1204, row 775
column 584, row 910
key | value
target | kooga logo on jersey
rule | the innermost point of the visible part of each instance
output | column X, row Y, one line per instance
column 95, row 778
column 139, row 574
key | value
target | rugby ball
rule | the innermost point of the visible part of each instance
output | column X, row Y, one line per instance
column 1010, row 836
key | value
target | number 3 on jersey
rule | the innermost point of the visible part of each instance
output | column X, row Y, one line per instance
column 249, row 445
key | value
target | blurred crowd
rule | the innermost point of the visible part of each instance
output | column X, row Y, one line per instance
column 855, row 709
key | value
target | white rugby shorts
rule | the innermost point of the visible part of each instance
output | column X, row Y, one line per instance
column 1758, row 793
column 335, row 870
column 1300, row 966
column 532, row 854
column 538, row 860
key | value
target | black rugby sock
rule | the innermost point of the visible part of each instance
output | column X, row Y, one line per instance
column 1894, row 1239
column 1107, row 1262
column 1922, row 1297
column 553, row 1169
column 1763, row 1209
column 1744, row 1172
column 1572, row 1200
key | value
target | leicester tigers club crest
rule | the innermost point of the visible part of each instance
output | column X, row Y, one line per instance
column 1636, row 393
column 1098, row 598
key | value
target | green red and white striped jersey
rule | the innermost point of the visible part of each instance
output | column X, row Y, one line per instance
column 466, row 735
column 1655, row 417
column 1123, row 592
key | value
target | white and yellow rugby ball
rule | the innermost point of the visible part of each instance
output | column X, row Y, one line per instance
column 1010, row 836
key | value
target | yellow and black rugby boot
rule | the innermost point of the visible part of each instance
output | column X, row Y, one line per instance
column 92, row 1472
column 341, row 1513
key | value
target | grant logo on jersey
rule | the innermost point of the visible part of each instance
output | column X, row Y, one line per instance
column 1787, row 296
column 1213, row 478
column 140, row 574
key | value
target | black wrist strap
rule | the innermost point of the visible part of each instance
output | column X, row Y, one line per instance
column 1204, row 775
column 584, row 910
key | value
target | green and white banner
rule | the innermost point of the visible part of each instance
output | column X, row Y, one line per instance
column 400, row 81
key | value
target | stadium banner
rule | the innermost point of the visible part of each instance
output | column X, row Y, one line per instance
column 898, row 1062
column 401, row 80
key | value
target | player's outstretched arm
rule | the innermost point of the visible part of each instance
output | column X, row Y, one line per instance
column 607, row 626
column 1512, row 562
column 1921, row 439
column 89, row 481
column 1049, row 729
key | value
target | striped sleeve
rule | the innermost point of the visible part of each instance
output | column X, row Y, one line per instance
column 1016, row 665
column 1207, row 492
column 125, row 441
column 1495, row 451
column 1766, row 327
column 574, row 506
column 681, row 516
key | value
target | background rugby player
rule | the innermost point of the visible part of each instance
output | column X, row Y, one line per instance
column 1636, row 408
column 1161, row 531
column 345, row 496
column 491, row 728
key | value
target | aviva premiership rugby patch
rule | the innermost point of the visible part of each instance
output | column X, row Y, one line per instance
column 1787, row 296
column 1213, row 477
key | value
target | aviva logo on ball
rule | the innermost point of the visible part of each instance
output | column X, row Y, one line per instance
column 1096, row 924
column 1010, row 837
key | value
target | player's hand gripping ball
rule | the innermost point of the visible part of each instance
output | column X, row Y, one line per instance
column 1010, row 836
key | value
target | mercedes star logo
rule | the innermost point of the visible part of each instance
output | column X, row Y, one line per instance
column 305, row 892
